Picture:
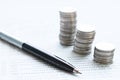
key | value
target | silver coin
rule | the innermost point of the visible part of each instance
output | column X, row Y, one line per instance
column 84, row 40
column 68, row 27
column 104, row 51
column 86, row 33
column 67, row 15
column 103, row 61
column 67, row 35
column 67, row 30
column 68, row 22
column 70, row 43
column 67, row 12
column 67, row 19
column 66, row 38
column 82, row 36
column 86, row 28
column 82, row 52
column 64, row 24
column 70, row 37
column 81, row 48
column 100, row 53
column 67, row 41
column 103, row 57
column 83, row 45
column 105, row 47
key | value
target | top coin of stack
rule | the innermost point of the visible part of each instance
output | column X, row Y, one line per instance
column 67, row 25
column 84, row 39
column 104, row 52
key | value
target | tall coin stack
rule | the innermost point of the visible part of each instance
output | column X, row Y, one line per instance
column 84, row 39
column 67, row 26
column 104, row 52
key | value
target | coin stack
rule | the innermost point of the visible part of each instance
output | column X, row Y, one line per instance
column 104, row 53
column 67, row 26
column 84, row 39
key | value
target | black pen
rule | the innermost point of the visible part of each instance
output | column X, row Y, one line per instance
column 51, row 59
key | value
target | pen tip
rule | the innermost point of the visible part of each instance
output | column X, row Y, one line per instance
column 77, row 71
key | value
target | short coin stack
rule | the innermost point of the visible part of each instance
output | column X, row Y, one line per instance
column 84, row 39
column 67, row 26
column 104, row 52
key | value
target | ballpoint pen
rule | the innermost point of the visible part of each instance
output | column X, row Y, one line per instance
column 51, row 59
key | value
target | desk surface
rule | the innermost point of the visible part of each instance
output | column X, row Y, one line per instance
column 37, row 22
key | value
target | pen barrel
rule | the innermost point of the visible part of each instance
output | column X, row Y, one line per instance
column 10, row 40
column 51, row 59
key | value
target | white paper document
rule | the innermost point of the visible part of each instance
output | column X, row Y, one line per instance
column 19, row 65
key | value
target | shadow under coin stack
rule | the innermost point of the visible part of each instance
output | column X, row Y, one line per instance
column 67, row 26
column 84, row 39
column 103, row 53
